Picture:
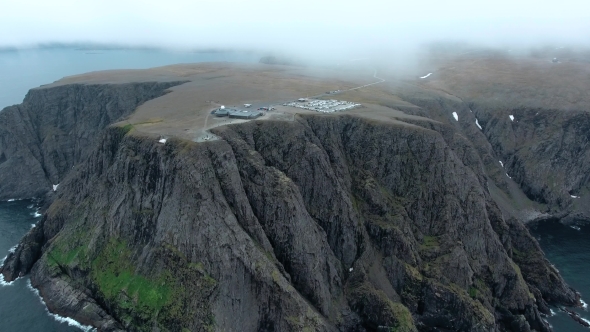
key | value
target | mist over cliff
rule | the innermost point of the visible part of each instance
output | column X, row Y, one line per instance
column 408, row 214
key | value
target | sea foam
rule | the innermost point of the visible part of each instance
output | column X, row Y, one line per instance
column 2, row 281
column 61, row 319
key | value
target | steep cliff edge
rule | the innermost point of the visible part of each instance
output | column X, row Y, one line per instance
column 54, row 128
column 323, row 223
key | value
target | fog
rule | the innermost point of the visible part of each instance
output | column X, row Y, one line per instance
column 304, row 28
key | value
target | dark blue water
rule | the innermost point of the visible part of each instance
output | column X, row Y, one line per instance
column 568, row 248
column 20, row 307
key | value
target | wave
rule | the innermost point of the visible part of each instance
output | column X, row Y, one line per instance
column 37, row 214
column 61, row 319
column 2, row 281
column 584, row 304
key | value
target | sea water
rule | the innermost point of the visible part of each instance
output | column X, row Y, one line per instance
column 21, row 308
column 567, row 247
column 22, row 70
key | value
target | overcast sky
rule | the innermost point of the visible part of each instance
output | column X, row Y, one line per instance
column 327, row 25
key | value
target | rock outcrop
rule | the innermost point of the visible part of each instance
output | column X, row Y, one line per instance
column 54, row 128
column 325, row 223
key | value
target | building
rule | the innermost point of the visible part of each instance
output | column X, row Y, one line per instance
column 236, row 114
column 245, row 114
column 221, row 112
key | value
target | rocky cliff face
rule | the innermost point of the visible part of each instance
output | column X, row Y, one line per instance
column 324, row 223
column 546, row 153
column 537, row 160
column 54, row 128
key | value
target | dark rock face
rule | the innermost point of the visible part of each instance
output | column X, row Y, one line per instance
column 546, row 153
column 54, row 128
column 324, row 223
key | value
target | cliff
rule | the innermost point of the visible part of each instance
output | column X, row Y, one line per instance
column 392, row 217
column 54, row 128
column 324, row 223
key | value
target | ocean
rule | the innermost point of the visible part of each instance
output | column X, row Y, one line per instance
column 567, row 247
column 21, row 308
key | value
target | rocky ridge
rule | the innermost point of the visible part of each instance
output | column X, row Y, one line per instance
column 323, row 223
column 55, row 128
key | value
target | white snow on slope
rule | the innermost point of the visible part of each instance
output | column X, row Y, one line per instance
column 455, row 116
column 425, row 76
column 502, row 164
column 477, row 123
column 511, row 117
column 163, row 141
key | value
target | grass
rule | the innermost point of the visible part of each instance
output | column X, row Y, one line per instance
column 60, row 257
column 430, row 241
column 150, row 121
column 127, row 128
column 116, row 279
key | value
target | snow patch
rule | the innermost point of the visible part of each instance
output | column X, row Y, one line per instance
column 470, row 110
column 575, row 227
column 55, row 187
column 163, row 141
column 11, row 200
column 574, row 196
column 455, row 116
column 425, row 76
column 501, row 164
column 57, row 317
column 508, row 176
column 511, row 117
column 477, row 123
column 350, row 270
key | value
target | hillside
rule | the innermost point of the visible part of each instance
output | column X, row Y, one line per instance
column 397, row 215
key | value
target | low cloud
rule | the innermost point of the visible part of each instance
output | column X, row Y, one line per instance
column 305, row 28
